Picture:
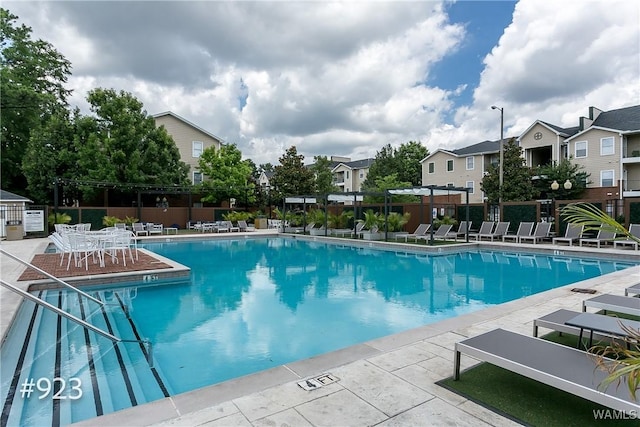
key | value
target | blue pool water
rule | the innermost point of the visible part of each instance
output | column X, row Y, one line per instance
column 250, row 305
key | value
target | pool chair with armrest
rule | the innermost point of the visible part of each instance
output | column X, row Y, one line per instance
column 565, row 368
column 632, row 290
column 572, row 234
column 602, row 238
column 154, row 228
column 634, row 230
column 524, row 229
column 242, row 224
column 463, row 230
column 539, row 235
column 138, row 229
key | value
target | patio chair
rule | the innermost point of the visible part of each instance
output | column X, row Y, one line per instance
column 154, row 228
column 634, row 230
column 138, row 229
column 420, row 230
column 242, row 224
column 501, row 229
column 572, row 234
column 524, row 229
column 485, row 228
column 565, row 368
column 539, row 235
column 120, row 241
column 603, row 237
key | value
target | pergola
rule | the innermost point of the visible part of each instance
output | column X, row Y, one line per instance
column 358, row 196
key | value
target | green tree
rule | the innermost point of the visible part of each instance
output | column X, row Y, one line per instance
column 561, row 172
column 50, row 154
column 403, row 161
column 324, row 178
column 227, row 175
column 126, row 146
column 291, row 177
column 390, row 182
column 408, row 157
column 32, row 77
column 517, row 185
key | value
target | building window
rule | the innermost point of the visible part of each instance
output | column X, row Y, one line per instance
column 196, row 148
column 450, row 165
column 470, row 186
column 606, row 178
column 606, row 146
column 347, row 174
column 197, row 178
column 581, row 149
column 470, row 164
column 432, row 167
column 450, row 184
column 361, row 174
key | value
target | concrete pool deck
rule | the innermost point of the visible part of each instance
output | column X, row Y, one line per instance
column 387, row 381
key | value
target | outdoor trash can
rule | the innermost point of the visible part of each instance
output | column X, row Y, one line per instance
column 15, row 230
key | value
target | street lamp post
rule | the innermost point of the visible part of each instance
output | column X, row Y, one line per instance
column 493, row 107
column 554, row 187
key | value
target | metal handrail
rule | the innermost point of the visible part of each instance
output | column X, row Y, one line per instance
column 62, row 282
column 73, row 318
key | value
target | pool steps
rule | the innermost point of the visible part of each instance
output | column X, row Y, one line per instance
column 40, row 356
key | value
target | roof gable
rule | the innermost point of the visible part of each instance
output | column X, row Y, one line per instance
column 6, row 196
column 188, row 123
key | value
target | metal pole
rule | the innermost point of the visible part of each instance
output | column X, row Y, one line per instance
column 493, row 107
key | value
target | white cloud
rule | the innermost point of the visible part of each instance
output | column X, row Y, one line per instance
column 343, row 78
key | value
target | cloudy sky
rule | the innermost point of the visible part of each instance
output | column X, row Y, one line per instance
column 346, row 78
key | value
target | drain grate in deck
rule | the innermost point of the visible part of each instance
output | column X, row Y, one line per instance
column 317, row 382
column 583, row 290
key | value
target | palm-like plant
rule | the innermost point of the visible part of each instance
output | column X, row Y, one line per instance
column 622, row 363
column 340, row 220
column 395, row 221
column 371, row 219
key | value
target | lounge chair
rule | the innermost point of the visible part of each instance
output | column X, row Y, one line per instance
column 572, row 234
column 154, row 228
column 245, row 227
column 441, row 233
column 557, row 321
column 632, row 290
column 539, row 235
column 420, row 230
column 138, row 229
column 565, row 368
column 463, row 230
column 634, row 230
column 616, row 303
column 485, row 228
column 524, row 229
column 500, row 230
column 603, row 237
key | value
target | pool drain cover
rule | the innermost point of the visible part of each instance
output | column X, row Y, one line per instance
column 583, row 290
column 317, row 382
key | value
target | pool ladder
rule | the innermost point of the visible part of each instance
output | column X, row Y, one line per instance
column 66, row 315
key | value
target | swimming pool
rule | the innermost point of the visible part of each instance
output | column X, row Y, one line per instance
column 253, row 304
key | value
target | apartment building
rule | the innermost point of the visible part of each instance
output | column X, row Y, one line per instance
column 349, row 175
column 605, row 143
column 190, row 139
column 463, row 167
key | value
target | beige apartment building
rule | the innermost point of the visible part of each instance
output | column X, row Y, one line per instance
column 349, row 175
column 605, row 143
column 190, row 139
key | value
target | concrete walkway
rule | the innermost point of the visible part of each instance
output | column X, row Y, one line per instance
column 388, row 381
